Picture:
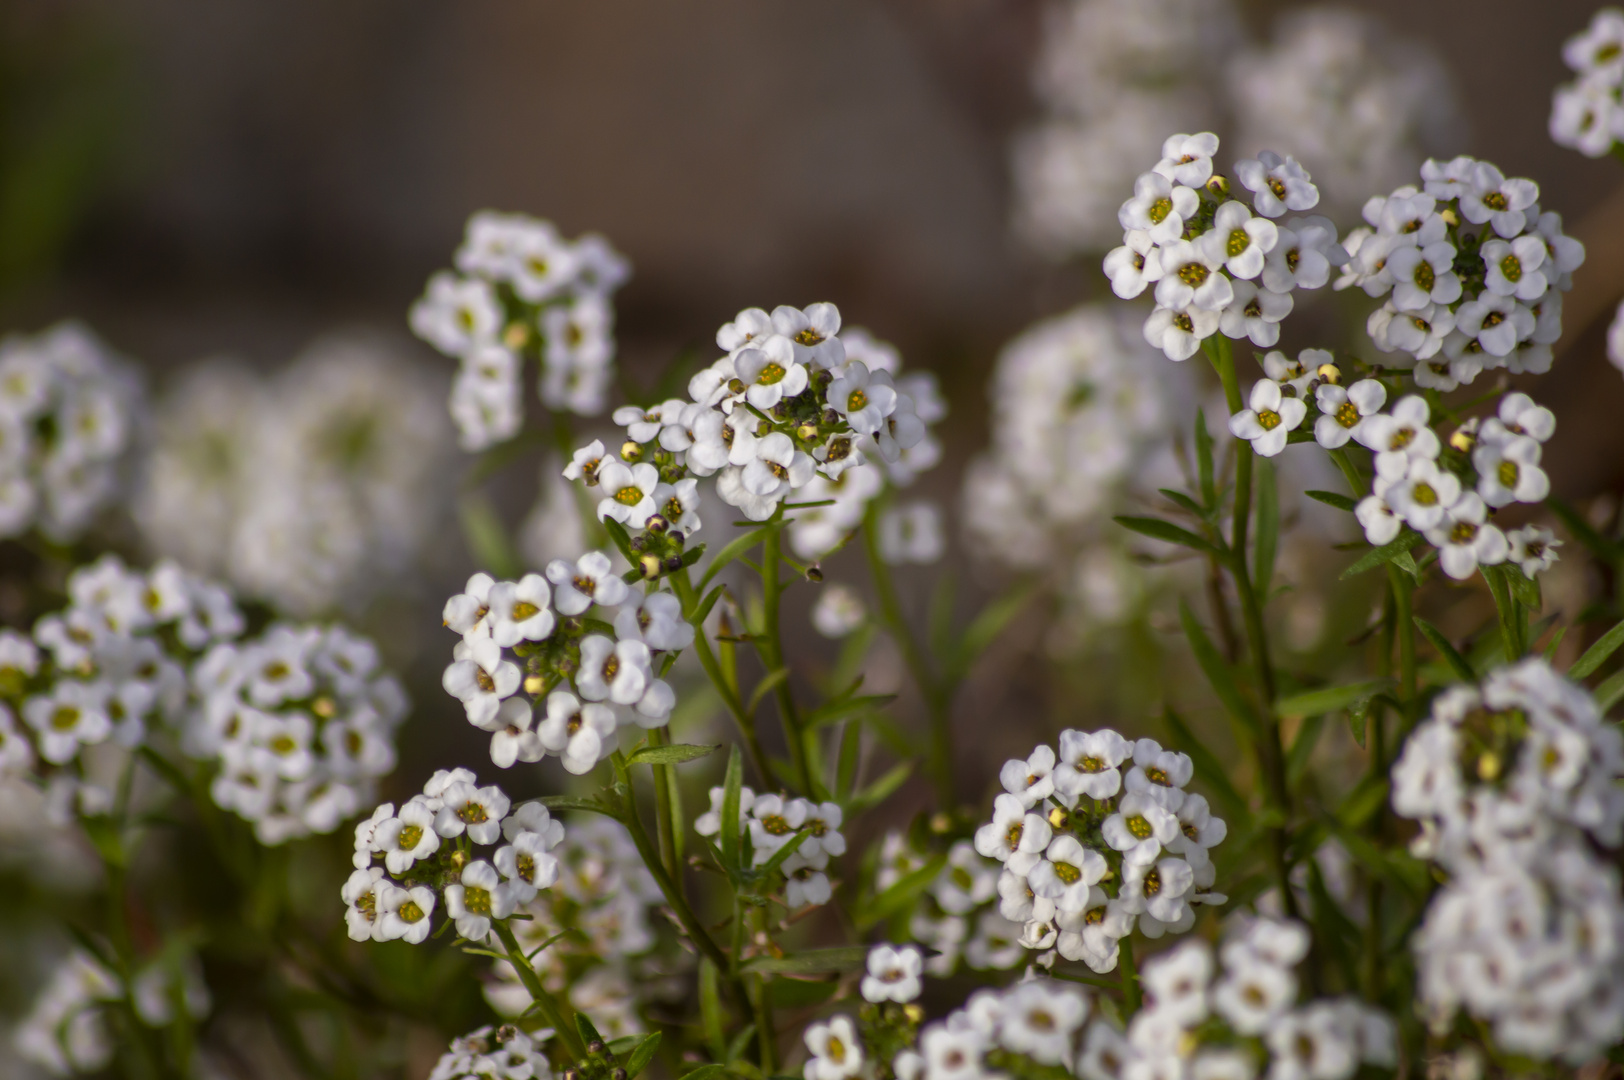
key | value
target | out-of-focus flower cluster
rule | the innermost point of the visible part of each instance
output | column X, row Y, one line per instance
column 521, row 290
column 68, row 412
column 504, row 1053
column 1587, row 114
column 312, row 490
column 1513, row 783
column 958, row 914
column 1100, row 838
column 768, row 824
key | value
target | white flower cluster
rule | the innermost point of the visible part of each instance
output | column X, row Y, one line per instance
column 66, row 1030
column 1238, row 1018
column 1512, row 782
column 428, row 849
column 769, row 822
column 1588, row 113
column 1471, row 269
column 312, row 489
column 1081, row 424
column 522, row 290
column 68, row 410
column 118, row 659
column 301, row 721
column 1215, row 264
column 792, row 409
column 958, row 916
column 504, row 1053
column 1109, row 75
column 1097, row 839
column 606, row 961
column 583, row 683
column 1357, row 104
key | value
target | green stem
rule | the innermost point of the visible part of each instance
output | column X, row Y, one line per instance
column 766, row 1035
column 1130, row 976
column 707, row 660
column 1404, row 625
column 546, row 1004
column 772, row 648
column 937, row 694
column 663, row 796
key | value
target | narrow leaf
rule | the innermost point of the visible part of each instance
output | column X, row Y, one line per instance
column 487, row 537
column 710, row 1008
column 785, row 852
column 1556, row 641
column 1203, row 460
column 642, row 1056
column 837, row 711
column 589, row 1033
column 591, row 804
column 1302, row 748
column 901, row 894
column 1608, row 693
column 1331, row 498
column 1166, row 531
column 622, row 538
column 1267, row 493
column 675, row 754
column 1183, row 501
column 736, row 547
column 811, row 962
column 1597, row 654
column 766, row 686
column 1384, row 554
column 708, row 1072
column 991, row 620
column 730, row 808
column 1450, row 655
column 881, row 789
column 1524, row 588
column 1218, row 673
column 1329, row 699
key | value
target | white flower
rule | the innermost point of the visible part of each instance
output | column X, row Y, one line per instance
column 1159, row 208
column 628, row 492
column 585, row 462
column 1269, row 420
column 1420, row 333
column 1255, row 314
column 774, row 820
column 1178, row 332
column 911, row 533
column 1515, row 268
column 1139, row 829
column 1401, row 437
column 1198, row 827
column 749, row 325
column 520, row 611
column 1253, row 992
column 1424, row 495
column 477, row 811
column 778, row 468
column 1014, row 836
column 1518, row 415
column 643, row 425
column 966, row 882
column 360, row 892
column 532, row 817
column 1106, row 1053
column 528, row 865
column 465, row 613
column 770, row 372
column 1088, row 763
column 952, row 1053
column 480, row 678
column 1490, row 197
column 1067, row 873
column 1279, row 184
column 838, row 611
column 581, row 734
column 893, row 974
column 812, row 332
column 455, row 314
column 1160, row 889
column 656, row 621
column 1240, row 240
column 863, row 403
column 837, row 1052
column 16, row 756
column 805, row 883
column 71, row 715
column 730, row 487
column 1302, row 256
column 1532, row 548
column 1192, row 273
column 1040, row 1019
column 1309, row 1044
column 511, row 737
column 679, row 504
column 616, row 671
column 1508, row 471
column 1585, row 115
column 1187, row 159
column 477, row 898
column 1464, row 542
column 404, row 914
column 1176, row 982
column 1424, row 275
column 1134, row 265
column 1598, row 50
column 1029, row 780
column 1497, row 323
column 591, row 580
column 408, row 837
column 1344, row 410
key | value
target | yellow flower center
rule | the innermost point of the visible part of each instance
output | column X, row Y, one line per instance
column 1160, row 209
column 523, row 610
column 1347, row 414
column 1140, row 827
column 1194, row 274
column 1462, row 533
column 1508, row 473
column 1511, row 267
column 64, row 717
column 629, row 496
column 1424, row 494
column 1495, row 200
column 1239, row 241
column 409, row 836
column 1067, row 873
column 772, row 373
column 1424, row 276
column 776, row 825
column 1268, row 419
column 856, row 400
column 410, row 912
column 1012, row 838
column 476, row 900
column 473, row 813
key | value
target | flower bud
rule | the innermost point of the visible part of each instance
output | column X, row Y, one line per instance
column 516, row 336
column 638, row 543
column 630, row 451
column 676, row 537
column 656, row 524
column 830, row 417
column 618, row 1074
column 807, row 432
column 597, row 1046
column 507, row 1033
column 763, row 429
column 1449, row 216
column 1218, row 185
column 814, row 575
column 673, row 564
column 650, row 565
column 1330, row 373
column 1058, row 817
column 534, row 684
column 781, row 410
column 736, row 386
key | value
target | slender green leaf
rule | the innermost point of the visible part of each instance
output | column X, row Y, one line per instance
column 1330, row 698
column 1448, row 652
column 810, row 962
column 1218, row 673
column 766, row 686
column 847, row 760
column 624, row 1044
column 1302, row 748
column 1166, row 531
column 837, row 711
column 642, row 1056
column 1358, row 721
column 736, row 547
column 730, row 808
column 1524, row 588
column 1207, row 766
column 710, row 1008
column 901, row 894
column 699, row 616
column 990, row 621
column 591, row 804
column 622, row 538
column 713, row 1071
column 1183, row 501
column 1384, row 554
column 589, row 1033
column 735, row 1049
column 1406, row 562
column 1331, row 498
column 1556, row 641
column 785, row 852
column 1266, row 491
column 1602, row 548
column 1597, row 654
column 939, row 618
column 675, row 754
column 1608, row 693
column 1203, row 460
column 487, row 537
column 881, row 789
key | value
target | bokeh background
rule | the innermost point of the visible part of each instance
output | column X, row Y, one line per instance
column 241, row 177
